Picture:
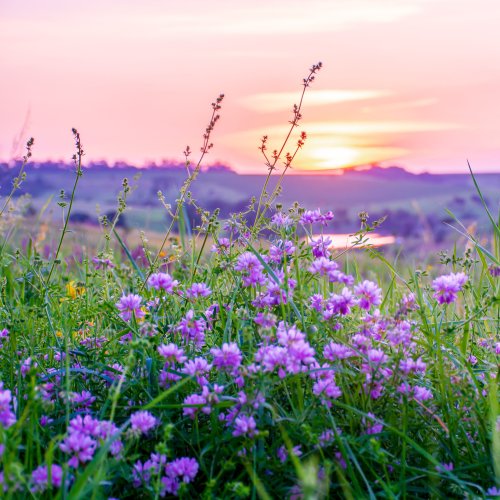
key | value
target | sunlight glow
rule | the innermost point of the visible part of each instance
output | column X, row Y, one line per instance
column 277, row 101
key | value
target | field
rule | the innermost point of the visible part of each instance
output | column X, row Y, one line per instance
column 243, row 357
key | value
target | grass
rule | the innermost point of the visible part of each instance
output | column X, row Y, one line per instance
column 265, row 367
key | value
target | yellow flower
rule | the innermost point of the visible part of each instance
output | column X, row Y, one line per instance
column 73, row 291
column 59, row 333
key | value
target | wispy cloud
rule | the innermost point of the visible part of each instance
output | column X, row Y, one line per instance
column 277, row 101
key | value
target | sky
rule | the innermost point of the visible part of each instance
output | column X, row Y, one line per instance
column 414, row 83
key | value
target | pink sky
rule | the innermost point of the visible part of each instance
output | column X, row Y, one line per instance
column 408, row 82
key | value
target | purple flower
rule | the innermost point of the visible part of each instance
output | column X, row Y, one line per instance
column 227, row 357
column 162, row 281
column 198, row 367
column 445, row 467
column 313, row 216
column 7, row 417
column 198, row 290
column 129, row 306
column 279, row 219
column 102, row 263
column 339, row 304
column 252, row 269
column 183, row 468
column 421, row 393
column 369, row 294
column 323, row 266
column 172, row 353
column 192, row 405
column 80, row 446
column 142, row 421
column 40, row 477
column 192, row 329
column 245, row 426
column 320, row 246
column 446, row 287
column 334, row 351
column 83, row 399
column 493, row 492
column 494, row 271
column 282, row 453
column 265, row 320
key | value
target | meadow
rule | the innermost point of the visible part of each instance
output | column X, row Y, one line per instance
column 244, row 357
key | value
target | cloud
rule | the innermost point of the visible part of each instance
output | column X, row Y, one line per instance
column 277, row 101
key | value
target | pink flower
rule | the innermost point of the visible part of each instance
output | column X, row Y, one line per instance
column 129, row 306
column 446, row 287
column 369, row 294
column 142, row 421
column 40, row 477
column 245, row 426
column 198, row 290
column 227, row 357
column 162, row 281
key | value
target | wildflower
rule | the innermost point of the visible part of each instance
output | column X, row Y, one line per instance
column 369, row 294
column 130, row 306
column 282, row 453
column 222, row 246
column 265, row 320
column 192, row 405
column 102, row 263
column 494, row 271
column 40, row 477
column 252, row 269
column 184, row 468
column 73, row 290
column 162, row 281
column 446, row 287
column 26, row 366
column 320, row 246
column 198, row 367
column 493, row 492
column 198, row 290
column 192, row 329
column 422, row 393
column 339, row 304
column 4, row 336
column 142, row 422
column 445, row 467
column 313, row 216
column 323, row 266
column 374, row 428
column 245, row 426
column 227, row 357
column 80, row 446
column 83, row 399
column 334, row 351
column 172, row 353
column 7, row 416
column 280, row 219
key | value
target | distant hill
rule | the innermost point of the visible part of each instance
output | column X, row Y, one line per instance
column 411, row 201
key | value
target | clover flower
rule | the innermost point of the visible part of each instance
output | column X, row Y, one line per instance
column 162, row 281
column 130, row 306
column 246, row 426
column 142, row 422
column 40, row 477
column 369, row 294
column 447, row 287
column 227, row 357
column 7, row 416
column 192, row 329
column 198, row 290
